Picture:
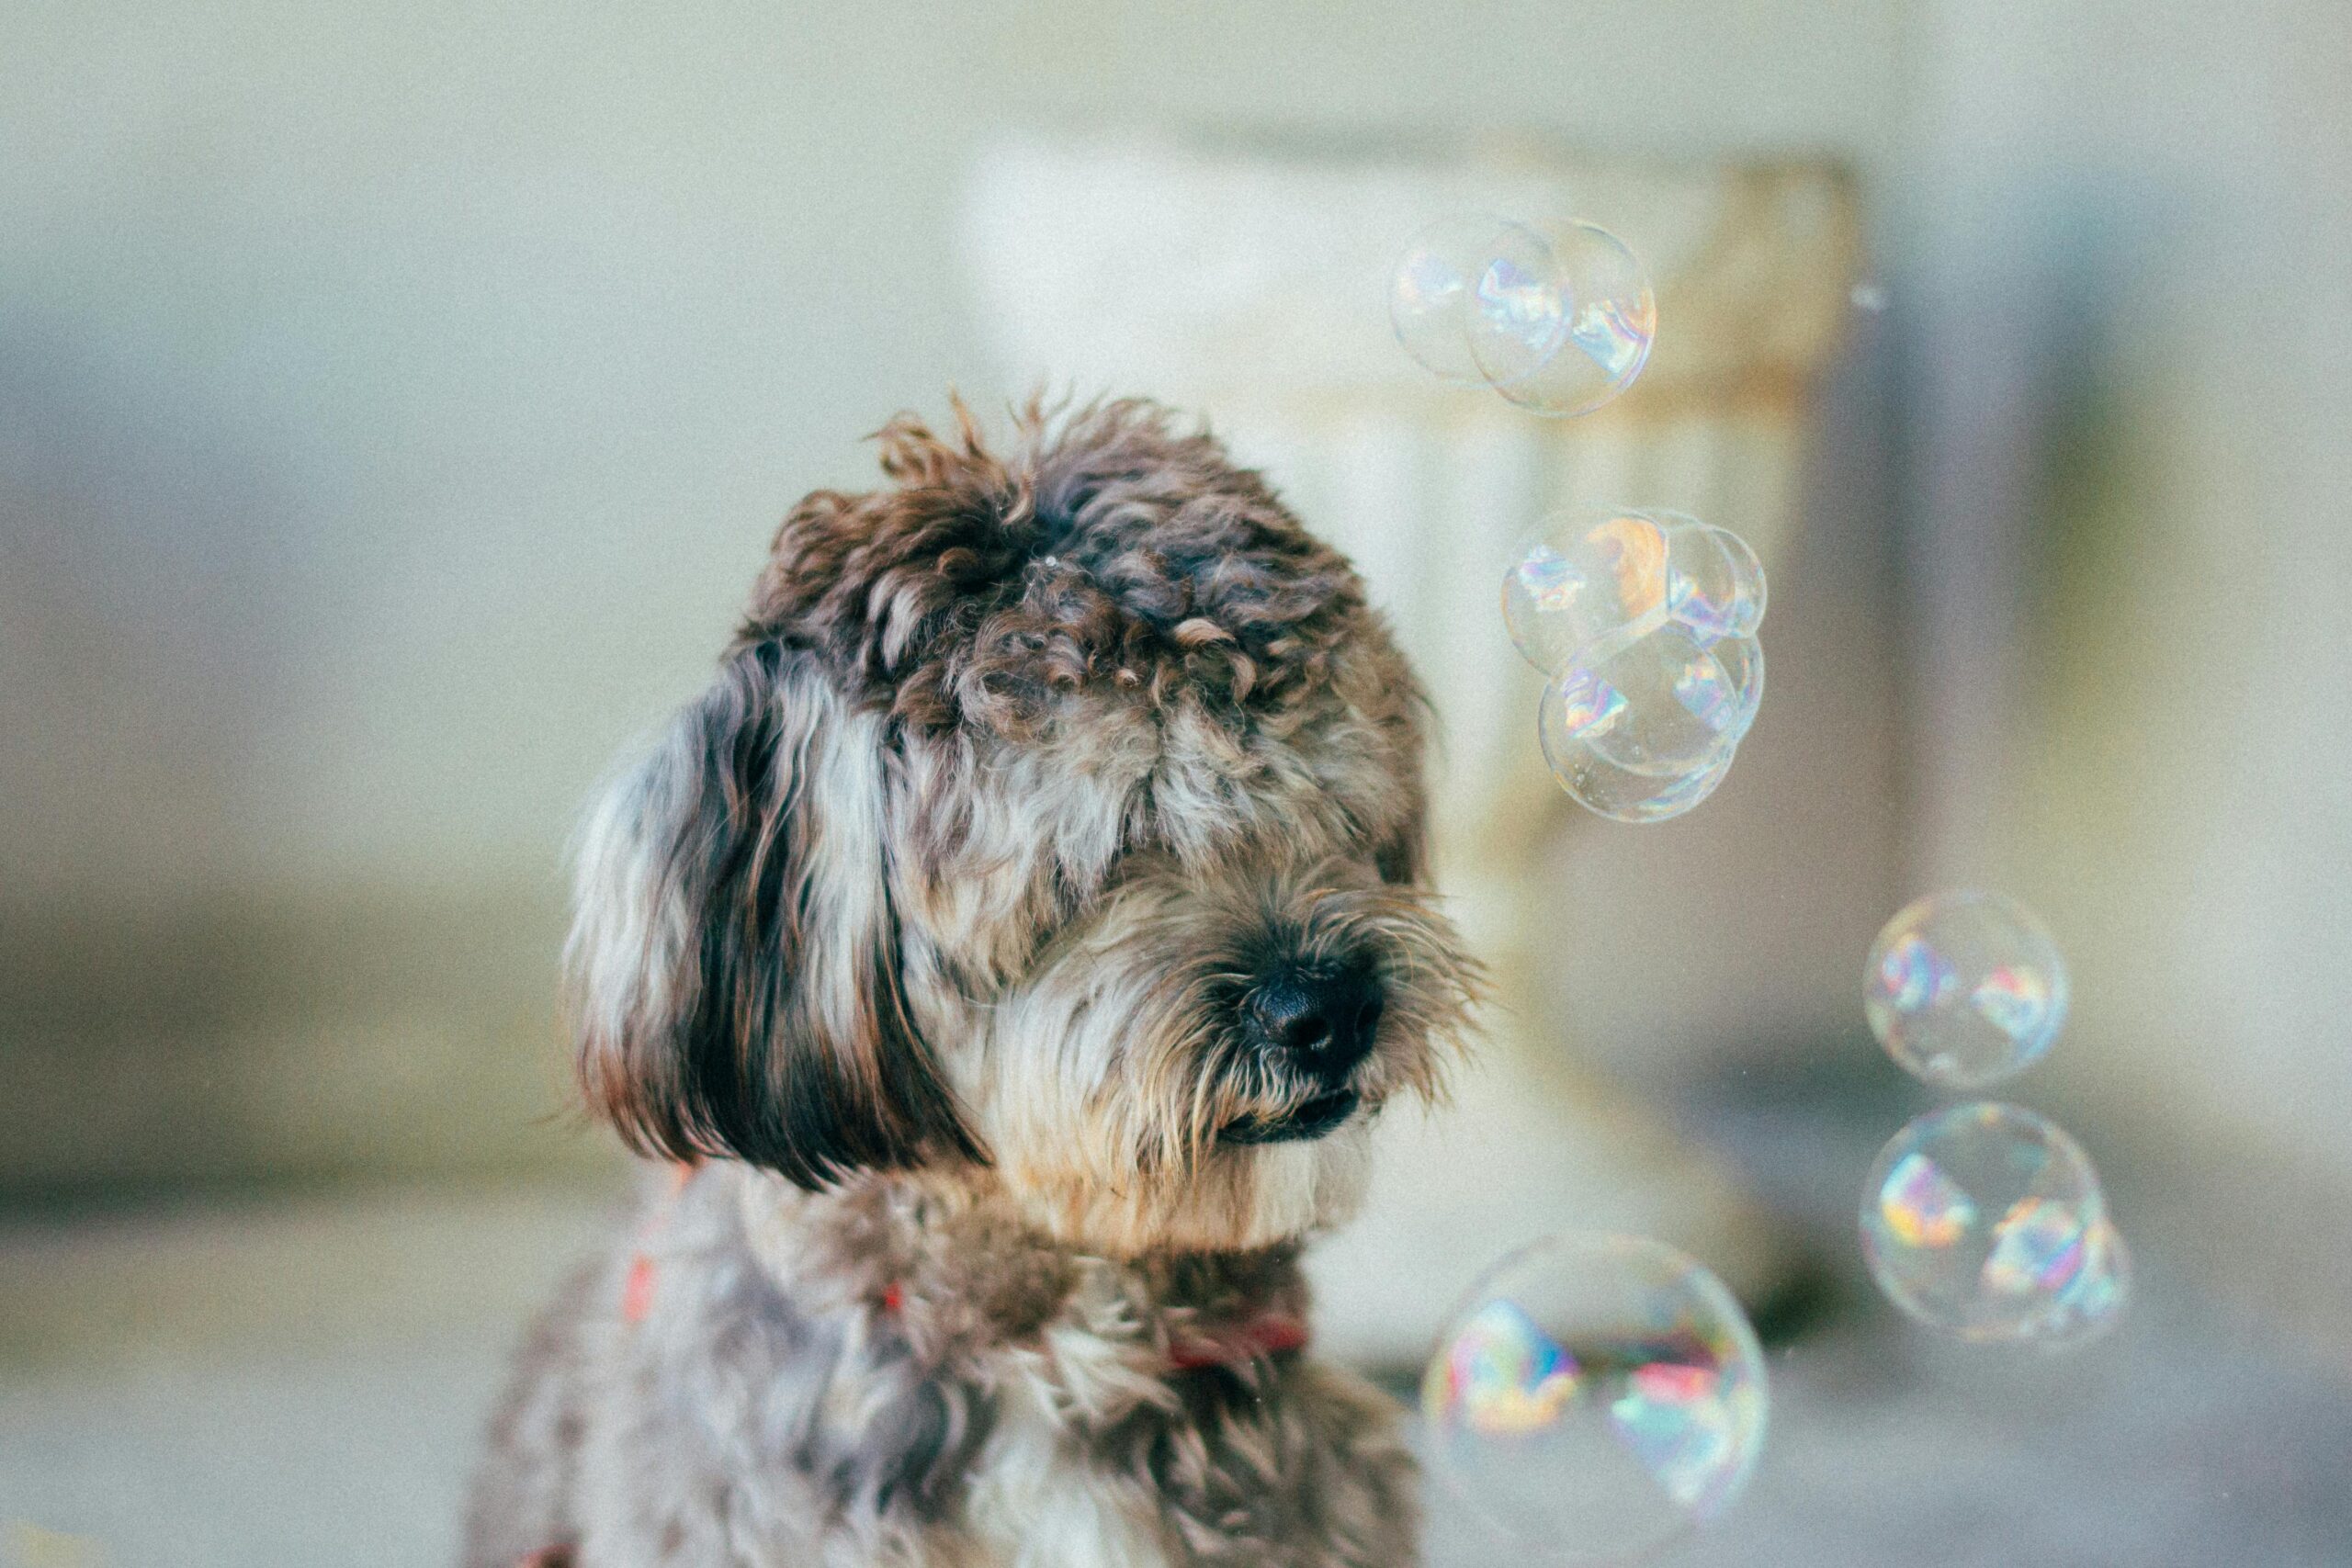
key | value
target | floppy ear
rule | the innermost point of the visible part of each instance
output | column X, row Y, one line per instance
column 734, row 955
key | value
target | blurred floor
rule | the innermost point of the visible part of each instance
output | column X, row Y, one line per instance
column 296, row 1381
column 313, row 1393
column 356, row 1457
column 2154, row 1447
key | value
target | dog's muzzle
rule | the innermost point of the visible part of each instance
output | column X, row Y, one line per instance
column 1312, row 1027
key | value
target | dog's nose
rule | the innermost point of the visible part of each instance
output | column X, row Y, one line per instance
column 1321, row 1025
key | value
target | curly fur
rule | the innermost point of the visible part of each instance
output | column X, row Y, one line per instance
column 1111, row 550
column 929, row 933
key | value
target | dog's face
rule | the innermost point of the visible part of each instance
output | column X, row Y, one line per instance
column 1054, row 825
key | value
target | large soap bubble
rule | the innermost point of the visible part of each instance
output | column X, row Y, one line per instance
column 1588, row 573
column 1594, row 1397
column 1964, row 990
column 1585, row 576
column 1986, row 1222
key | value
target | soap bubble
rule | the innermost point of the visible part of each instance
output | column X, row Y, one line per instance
column 1558, row 316
column 1584, row 576
column 1576, row 336
column 1964, row 990
column 1588, row 575
column 1645, row 621
column 1472, row 270
column 1594, row 1397
column 1985, row 1222
column 1656, row 700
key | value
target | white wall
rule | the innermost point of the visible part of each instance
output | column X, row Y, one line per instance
column 2129, row 227
column 395, row 400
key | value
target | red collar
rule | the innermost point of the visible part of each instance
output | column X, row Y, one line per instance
column 1235, row 1342
column 1197, row 1347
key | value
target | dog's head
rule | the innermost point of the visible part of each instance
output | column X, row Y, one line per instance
column 1054, row 824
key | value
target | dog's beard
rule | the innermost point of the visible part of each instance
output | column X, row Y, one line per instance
column 1126, row 1113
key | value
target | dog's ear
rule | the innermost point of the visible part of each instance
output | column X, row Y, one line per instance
column 734, row 953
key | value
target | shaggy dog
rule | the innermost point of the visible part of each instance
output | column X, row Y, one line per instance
column 1011, row 951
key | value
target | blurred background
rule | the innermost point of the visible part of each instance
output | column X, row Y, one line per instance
column 396, row 403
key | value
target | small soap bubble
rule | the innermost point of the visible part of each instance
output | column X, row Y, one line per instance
column 1965, row 988
column 1985, row 1222
column 1466, row 274
column 1579, row 337
column 1591, row 574
column 1596, row 1398
column 1869, row 297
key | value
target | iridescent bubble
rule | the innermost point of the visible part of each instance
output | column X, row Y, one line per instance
column 1578, row 337
column 1595, row 1397
column 1656, row 702
column 1591, row 574
column 1964, row 990
column 1734, row 702
column 1646, row 622
column 1584, row 576
column 1466, row 272
column 1985, row 1222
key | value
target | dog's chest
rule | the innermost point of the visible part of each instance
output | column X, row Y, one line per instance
column 1034, row 1502
column 1109, row 1463
column 1063, row 1476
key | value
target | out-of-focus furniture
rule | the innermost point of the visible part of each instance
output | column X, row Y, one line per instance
column 1249, row 282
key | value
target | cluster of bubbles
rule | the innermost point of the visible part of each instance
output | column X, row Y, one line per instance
column 1595, row 1397
column 1983, row 1221
column 1556, row 317
column 1644, row 622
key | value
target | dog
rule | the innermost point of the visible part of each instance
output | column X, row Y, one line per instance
column 1007, row 957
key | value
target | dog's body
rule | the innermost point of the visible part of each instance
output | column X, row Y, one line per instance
column 889, row 1377
column 1014, row 946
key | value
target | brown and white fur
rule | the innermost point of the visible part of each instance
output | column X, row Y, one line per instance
column 1012, row 947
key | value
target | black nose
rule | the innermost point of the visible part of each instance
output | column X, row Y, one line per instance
column 1319, row 1024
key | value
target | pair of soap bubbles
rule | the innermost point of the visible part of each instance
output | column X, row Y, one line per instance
column 1983, row 1221
column 1594, row 1398
column 1645, row 624
column 1556, row 317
